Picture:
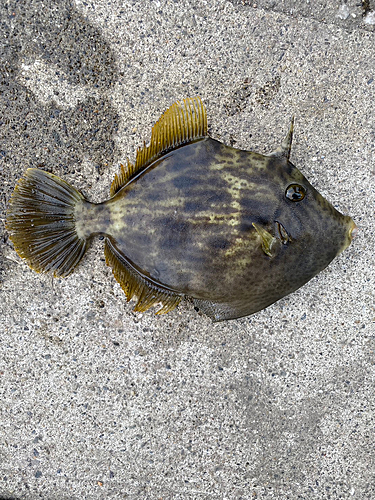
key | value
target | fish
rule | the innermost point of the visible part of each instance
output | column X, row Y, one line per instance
column 232, row 230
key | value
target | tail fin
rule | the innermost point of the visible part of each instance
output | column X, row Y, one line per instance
column 41, row 222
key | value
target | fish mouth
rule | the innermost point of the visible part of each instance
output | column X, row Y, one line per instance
column 353, row 231
column 281, row 233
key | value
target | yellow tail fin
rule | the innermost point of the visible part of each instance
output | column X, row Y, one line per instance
column 41, row 222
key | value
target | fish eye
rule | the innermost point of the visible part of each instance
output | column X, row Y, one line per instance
column 295, row 192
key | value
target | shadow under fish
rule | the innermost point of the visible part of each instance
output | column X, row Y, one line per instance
column 234, row 230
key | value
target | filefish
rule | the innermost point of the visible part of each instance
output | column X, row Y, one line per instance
column 192, row 217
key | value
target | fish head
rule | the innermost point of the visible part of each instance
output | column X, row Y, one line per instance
column 311, row 230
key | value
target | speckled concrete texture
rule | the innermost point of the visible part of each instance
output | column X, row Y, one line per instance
column 99, row 402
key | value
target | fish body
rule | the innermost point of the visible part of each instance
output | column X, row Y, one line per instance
column 234, row 230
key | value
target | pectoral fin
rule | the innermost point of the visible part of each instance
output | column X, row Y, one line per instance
column 270, row 244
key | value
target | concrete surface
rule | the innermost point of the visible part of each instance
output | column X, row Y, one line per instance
column 98, row 402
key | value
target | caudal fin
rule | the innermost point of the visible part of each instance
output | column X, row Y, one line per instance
column 41, row 222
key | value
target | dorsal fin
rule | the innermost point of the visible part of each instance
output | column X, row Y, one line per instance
column 133, row 283
column 180, row 124
column 283, row 151
column 122, row 177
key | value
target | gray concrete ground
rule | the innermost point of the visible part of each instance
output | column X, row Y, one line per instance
column 99, row 402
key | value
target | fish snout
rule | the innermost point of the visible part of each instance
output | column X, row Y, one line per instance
column 353, row 230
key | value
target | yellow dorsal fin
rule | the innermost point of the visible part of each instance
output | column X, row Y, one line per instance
column 180, row 124
column 122, row 177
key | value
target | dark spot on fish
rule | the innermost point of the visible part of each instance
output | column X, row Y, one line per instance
column 219, row 197
column 194, row 206
column 287, row 168
column 176, row 226
column 245, row 226
column 177, row 231
column 272, row 163
column 254, row 206
column 185, row 182
column 100, row 207
column 220, row 243
column 155, row 195
column 194, row 147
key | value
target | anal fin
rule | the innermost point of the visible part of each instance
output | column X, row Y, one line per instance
column 135, row 284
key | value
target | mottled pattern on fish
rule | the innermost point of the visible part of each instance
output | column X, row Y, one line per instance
column 198, row 218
